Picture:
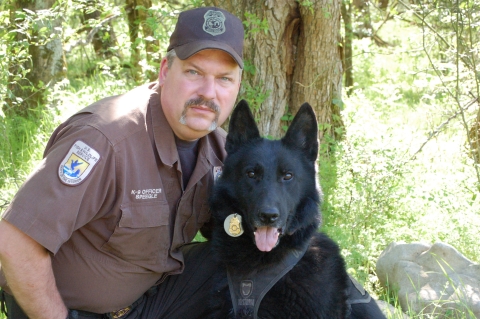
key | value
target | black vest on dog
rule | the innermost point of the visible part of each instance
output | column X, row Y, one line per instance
column 248, row 290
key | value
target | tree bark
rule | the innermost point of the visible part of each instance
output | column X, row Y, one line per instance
column 137, row 12
column 133, row 28
column 42, row 64
column 296, row 59
column 347, row 45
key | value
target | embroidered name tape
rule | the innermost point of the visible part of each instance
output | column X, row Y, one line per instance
column 77, row 164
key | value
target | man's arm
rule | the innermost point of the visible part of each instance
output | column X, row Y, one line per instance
column 28, row 269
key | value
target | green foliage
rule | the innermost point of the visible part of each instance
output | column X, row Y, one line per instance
column 254, row 95
column 379, row 185
column 249, row 68
column 253, row 24
column 90, row 77
column 140, row 65
column 374, row 194
column 4, row 38
column 287, row 118
column 27, row 31
column 21, row 144
column 307, row 4
column 446, row 46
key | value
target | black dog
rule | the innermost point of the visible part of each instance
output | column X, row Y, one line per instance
column 265, row 208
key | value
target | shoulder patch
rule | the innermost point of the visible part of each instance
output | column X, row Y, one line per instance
column 77, row 164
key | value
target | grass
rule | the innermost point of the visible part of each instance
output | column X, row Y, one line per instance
column 378, row 189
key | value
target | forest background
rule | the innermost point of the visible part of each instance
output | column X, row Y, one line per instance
column 399, row 125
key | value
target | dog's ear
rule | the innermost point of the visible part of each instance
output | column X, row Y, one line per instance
column 303, row 132
column 242, row 127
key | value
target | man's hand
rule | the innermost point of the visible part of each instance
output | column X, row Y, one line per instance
column 28, row 269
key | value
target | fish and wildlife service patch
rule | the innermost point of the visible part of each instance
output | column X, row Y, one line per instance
column 214, row 22
column 77, row 164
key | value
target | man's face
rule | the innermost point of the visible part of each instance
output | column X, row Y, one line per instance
column 199, row 93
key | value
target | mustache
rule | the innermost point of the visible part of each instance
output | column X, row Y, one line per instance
column 201, row 101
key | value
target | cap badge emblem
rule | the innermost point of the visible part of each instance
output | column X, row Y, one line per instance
column 214, row 22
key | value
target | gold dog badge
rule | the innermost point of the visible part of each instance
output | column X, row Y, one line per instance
column 233, row 225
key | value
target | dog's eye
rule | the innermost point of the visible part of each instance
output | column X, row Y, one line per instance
column 287, row 176
column 251, row 174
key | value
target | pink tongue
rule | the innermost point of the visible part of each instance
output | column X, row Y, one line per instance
column 266, row 238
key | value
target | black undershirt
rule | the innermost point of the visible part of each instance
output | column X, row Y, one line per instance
column 187, row 152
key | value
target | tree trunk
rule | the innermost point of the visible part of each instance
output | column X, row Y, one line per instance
column 137, row 12
column 347, row 45
column 36, row 59
column 152, row 46
column 292, row 56
column 133, row 28
column 318, row 69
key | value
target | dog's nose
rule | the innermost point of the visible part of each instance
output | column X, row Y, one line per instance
column 268, row 215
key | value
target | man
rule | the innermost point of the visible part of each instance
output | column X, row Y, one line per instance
column 103, row 224
column 103, row 217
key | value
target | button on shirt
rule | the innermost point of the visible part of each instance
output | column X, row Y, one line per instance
column 107, row 201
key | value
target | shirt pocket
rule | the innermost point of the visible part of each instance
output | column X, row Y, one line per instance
column 142, row 236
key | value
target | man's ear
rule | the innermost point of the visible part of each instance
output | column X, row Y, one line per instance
column 162, row 75
column 242, row 128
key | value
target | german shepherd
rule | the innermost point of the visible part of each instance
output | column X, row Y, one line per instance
column 265, row 209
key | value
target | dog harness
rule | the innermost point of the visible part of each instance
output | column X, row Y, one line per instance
column 247, row 291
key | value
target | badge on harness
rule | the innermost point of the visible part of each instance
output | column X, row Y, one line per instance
column 77, row 164
column 233, row 225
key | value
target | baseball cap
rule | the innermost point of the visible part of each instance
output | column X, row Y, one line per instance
column 207, row 28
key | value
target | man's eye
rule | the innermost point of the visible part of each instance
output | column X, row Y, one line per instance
column 225, row 79
column 192, row 72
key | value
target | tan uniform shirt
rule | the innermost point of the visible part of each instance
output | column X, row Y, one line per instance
column 107, row 201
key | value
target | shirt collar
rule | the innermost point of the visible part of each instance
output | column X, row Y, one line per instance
column 165, row 138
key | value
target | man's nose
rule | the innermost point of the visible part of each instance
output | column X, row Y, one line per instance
column 207, row 89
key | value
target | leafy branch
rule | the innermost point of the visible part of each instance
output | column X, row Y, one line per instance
column 89, row 38
column 437, row 131
column 254, row 24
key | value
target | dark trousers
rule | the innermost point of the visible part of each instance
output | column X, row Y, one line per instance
column 182, row 296
column 9, row 306
column 186, row 296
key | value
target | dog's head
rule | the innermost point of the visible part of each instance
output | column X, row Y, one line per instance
column 271, row 184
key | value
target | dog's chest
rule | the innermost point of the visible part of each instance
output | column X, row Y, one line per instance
column 248, row 290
